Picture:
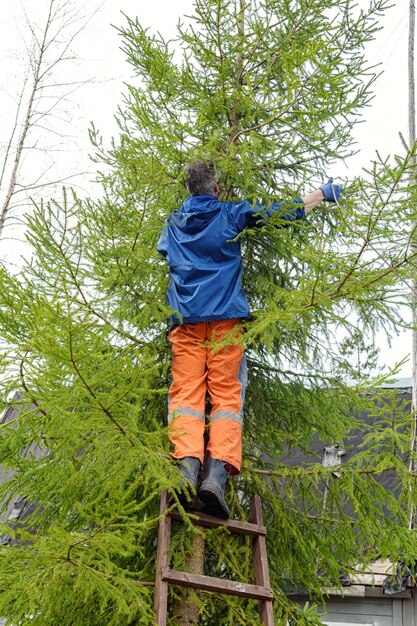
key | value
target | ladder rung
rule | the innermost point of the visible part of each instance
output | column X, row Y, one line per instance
column 219, row 585
column 209, row 521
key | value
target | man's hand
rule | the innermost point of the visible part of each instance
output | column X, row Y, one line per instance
column 330, row 191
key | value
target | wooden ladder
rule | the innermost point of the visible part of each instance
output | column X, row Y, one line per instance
column 164, row 575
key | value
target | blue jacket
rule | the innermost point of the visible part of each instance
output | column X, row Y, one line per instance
column 204, row 260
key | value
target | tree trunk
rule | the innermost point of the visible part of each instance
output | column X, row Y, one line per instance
column 186, row 612
column 412, row 140
column 38, row 62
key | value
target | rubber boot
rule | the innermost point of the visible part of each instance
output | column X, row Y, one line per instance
column 211, row 491
column 189, row 467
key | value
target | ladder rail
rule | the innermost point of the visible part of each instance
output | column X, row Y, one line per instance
column 161, row 585
column 260, row 559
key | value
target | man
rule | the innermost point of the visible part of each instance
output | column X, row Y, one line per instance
column 200, row 246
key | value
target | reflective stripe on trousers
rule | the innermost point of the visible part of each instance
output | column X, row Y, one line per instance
column 201, row 367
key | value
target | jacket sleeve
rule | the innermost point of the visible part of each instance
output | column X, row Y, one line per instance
column 247, row 216
column 162, row 245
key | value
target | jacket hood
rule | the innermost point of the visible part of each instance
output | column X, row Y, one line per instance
column 196, row 212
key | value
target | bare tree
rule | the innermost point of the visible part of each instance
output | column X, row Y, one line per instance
column 42, row 109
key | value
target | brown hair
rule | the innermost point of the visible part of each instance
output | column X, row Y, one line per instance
column 201, row 178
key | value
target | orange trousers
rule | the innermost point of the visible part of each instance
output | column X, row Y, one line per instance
column 200, row 367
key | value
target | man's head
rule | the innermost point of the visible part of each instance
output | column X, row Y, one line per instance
column 202, row 178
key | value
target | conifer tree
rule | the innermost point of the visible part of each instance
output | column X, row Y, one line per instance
column 270, row 91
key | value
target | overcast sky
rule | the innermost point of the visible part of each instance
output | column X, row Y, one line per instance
column 100, row 66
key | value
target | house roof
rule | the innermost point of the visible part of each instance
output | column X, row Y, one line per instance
column 18, row 507
column 380, row 577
